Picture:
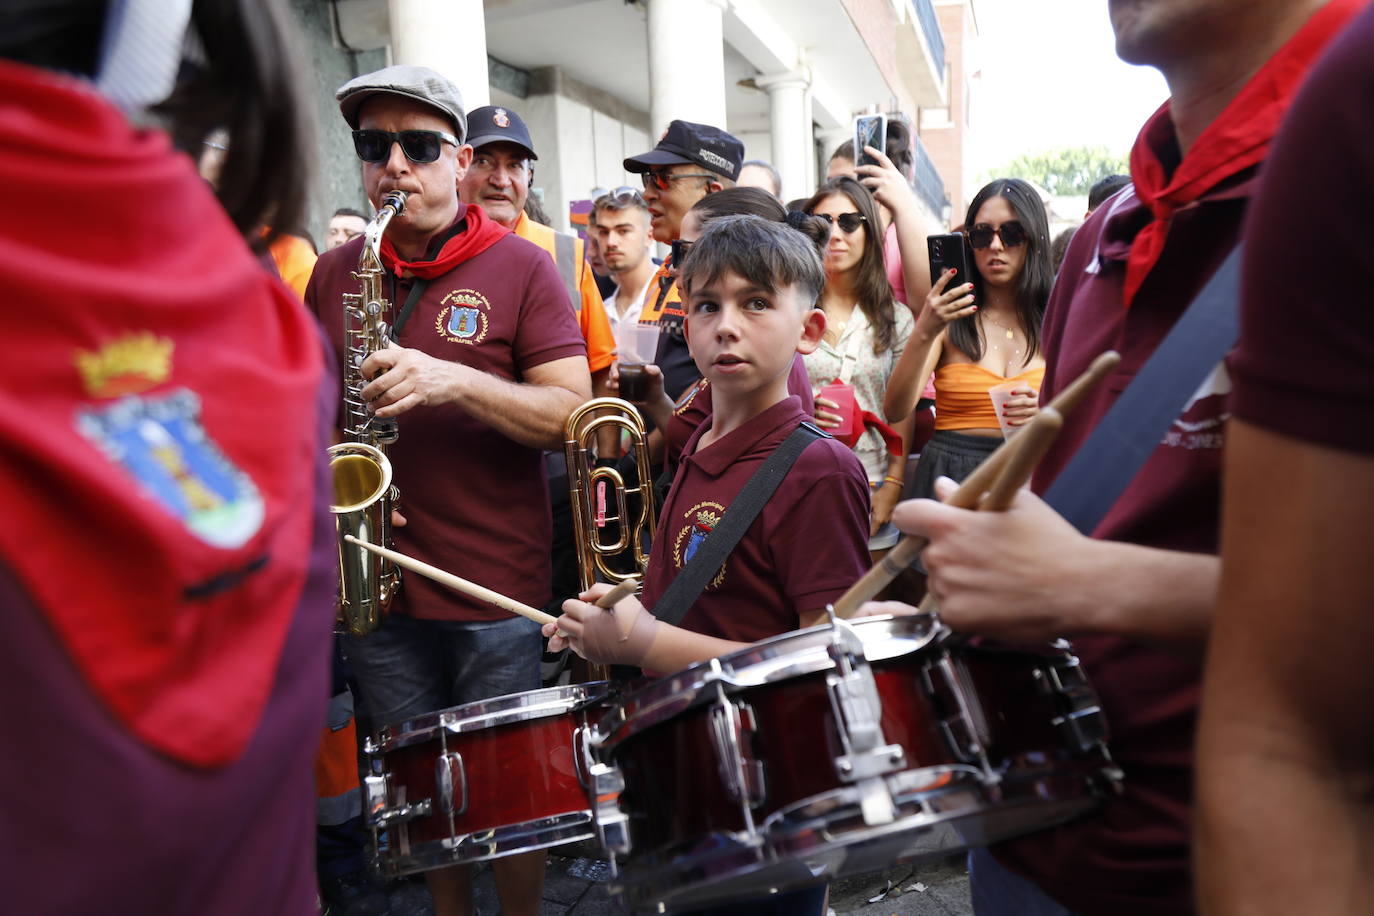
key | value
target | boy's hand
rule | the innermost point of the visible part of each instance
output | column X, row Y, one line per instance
column 621, row 635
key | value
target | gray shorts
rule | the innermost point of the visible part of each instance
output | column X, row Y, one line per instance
column 410, row 667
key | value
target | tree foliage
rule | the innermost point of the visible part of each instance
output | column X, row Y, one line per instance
column 1068, row 171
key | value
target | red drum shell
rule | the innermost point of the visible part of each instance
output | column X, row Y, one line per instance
column 520, row 772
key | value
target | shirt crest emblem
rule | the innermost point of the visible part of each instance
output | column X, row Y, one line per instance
column 698, row 522
column 162, row 444
column 463, row 317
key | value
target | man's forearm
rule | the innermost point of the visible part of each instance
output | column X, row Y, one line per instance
column 1157, row 596
column 533, row 415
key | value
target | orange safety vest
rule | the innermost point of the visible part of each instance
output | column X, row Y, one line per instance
column 567, row 252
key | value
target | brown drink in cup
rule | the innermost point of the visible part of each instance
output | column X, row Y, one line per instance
column 634, row 383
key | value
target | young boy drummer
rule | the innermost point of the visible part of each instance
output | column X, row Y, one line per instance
column 750, row 287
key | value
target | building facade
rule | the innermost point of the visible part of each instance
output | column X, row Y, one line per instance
column 598, row 80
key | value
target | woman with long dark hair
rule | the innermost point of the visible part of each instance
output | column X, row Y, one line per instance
column 979, row 334
column 865, row 334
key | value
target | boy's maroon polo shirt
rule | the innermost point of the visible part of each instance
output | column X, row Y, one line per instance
column 806, row 547
column 476, row 503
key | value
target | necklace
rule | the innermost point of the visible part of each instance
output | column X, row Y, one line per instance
column 1011, row 335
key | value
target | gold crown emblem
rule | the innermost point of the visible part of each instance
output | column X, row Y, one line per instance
column 132, row 363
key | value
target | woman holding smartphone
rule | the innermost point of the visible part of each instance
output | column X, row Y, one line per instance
column 866, row 332
column 980, row 333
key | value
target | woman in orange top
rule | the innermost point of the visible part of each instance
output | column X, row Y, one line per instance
column 979, row 333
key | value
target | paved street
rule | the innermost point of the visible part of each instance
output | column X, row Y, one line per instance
column 574, row 887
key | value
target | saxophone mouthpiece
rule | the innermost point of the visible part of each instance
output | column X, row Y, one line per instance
column 396, row 200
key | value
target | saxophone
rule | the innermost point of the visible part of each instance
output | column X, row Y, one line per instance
column 363, row 493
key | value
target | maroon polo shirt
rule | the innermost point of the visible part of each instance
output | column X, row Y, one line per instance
column 476, row 502
column 695, row 406
column 806, row 547
column 1307, row 329
column 1131, row 856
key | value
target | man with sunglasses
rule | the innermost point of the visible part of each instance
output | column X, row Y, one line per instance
column 485, row 366
column 689, row 162
column 1137, row 594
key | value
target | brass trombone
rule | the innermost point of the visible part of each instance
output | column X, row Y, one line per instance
column 598, row 494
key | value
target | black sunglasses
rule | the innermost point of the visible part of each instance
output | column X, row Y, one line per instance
column 418, row 145
column 848, row 222
column 1012, row 234
column 661, row 180
column 678, row 251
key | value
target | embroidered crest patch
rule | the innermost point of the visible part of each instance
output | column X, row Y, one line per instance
column 161, row 443
column 698, row 522
column 500, row 118
column 463, row 318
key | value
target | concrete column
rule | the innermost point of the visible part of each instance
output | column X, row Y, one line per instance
column 791, row 126
column 686, row 63
column 445, row 35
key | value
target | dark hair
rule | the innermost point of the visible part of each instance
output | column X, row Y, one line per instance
column 349, row 211
column 534, row 209
column 758, row 202
column 1032, row 286
column 247, row 84
column 1105, row 188
column 1060, row 247
column 871, row 283
column 896, row 143
column 739, row 202
column 767, row 167
column 764, row 252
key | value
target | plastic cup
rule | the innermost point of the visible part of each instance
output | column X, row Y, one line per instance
column 1000, row 395
column 634, row 383
column 842, row 395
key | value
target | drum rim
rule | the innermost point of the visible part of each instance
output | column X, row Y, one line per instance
column 764, row 662
column 528, row 705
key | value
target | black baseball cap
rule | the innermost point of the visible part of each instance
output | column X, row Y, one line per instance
column 701, row 144
column 490, row 124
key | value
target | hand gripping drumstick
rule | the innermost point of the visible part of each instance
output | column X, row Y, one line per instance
column 473, row 590
column 985, row 477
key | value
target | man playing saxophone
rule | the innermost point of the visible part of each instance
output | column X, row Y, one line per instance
column 486, row 365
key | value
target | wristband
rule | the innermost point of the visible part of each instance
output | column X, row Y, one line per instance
column 897, row 480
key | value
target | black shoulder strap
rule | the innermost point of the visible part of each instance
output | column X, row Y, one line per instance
column 417, row 290
column 687, row 587
column 1128, row 435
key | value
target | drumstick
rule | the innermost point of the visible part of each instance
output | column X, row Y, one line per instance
column 1036, row 439
column 471, row 589
column 971, row 491
column 623, row 590
column 1038, row 436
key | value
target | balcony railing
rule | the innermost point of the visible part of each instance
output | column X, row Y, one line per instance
column 930, row 27
column 929, row 186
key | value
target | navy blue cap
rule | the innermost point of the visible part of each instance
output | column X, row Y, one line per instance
column 490, row 124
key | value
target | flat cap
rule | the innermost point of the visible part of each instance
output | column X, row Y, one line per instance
column 419, row 84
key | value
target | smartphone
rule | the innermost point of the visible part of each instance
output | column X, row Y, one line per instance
column 948, row 251
column 869, row 130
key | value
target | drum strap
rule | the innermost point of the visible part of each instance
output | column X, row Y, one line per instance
column 1130, row 432
column 711, row 555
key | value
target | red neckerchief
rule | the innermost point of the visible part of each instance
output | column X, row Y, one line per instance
column 158, row 450
column 480, row 234
column 1238, row 139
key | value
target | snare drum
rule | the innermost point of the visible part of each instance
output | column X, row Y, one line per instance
column 481, row 781
column 835, row 751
